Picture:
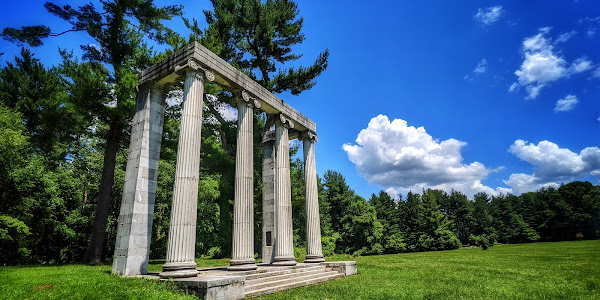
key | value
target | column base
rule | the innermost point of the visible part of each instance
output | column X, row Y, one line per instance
column 313, row 258
column 179, row 270
column 242, row 264
column 284, row 261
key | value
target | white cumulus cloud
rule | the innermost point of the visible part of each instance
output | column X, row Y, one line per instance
column 523, row 183
column 488, row 15
column 565, row 104
column 396, row 155
column 552, row 165
column 543, row 65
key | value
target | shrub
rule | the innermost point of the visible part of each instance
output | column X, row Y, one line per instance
column 394, row 244
column 442, row 239
column 484, row 241
column 376, row 249
column 12, row 238
column 329, row 243
column 360, row 252
column 215, row 252
column 480, row 241
column 300, row 253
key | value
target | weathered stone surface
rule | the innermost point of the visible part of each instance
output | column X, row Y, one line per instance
column 284, row 241
column 268, row 197
column 242, row 253
column 314, row 252
column 347, row 268
column 182, row 230
column 213, row 287
column 228, row 77
column 134, row 227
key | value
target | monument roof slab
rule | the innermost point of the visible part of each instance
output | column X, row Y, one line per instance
column 228, row 77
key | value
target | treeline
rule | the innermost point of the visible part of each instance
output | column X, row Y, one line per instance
column 436, row 220
column 64, row 135
column 51, row 159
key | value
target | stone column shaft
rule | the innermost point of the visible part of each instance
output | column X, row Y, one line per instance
column 242, row 253
column 314, row 249
column 182, row 231
column 284, row 243
column 268, row 196
column 134, row 228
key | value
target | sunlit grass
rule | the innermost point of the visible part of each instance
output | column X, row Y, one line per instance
column 87, row 282
column 564, row 270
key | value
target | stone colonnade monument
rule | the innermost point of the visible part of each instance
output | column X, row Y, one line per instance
column 194, row 64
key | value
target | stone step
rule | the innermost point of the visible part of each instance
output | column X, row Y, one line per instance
column 277, row 279
column 295, row 282
column 283, row 271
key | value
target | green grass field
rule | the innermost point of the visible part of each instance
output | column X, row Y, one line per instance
column 563, row 270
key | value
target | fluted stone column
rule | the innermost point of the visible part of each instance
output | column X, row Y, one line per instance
column 268, row 196
column 284, row 242
column 242, row 253
column 134, row 228
column 314, row 248
column 182, row 230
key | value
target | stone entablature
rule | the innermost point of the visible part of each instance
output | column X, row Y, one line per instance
column 226, row 76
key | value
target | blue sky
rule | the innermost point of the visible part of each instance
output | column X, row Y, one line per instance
column 494, row 96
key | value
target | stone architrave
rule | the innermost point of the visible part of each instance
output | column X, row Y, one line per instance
column 180, row 261
column 284, row 241
column 134, row 225
column 314, row 249
column 242, row 253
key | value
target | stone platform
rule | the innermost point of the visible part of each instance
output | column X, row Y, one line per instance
column 218, row 283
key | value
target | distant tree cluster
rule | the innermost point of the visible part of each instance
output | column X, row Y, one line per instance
column 436, row 220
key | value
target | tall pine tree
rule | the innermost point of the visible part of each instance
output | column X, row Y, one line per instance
column 119, row 28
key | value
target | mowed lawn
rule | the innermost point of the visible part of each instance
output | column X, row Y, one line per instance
column 563, row 270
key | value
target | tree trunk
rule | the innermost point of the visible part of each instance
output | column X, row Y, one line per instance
column 94, row 252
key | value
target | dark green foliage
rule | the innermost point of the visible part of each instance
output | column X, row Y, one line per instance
column 31, row 35
column 258, row 37
column 351, row 216
column 458, row 209
column 483, row 241
column 39, row 95
column 435, row 227
column 119, row 29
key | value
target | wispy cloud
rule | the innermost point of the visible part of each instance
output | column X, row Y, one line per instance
column 596, row 73
column 489, row 15
column 481, row 66
column 580, row 65
column 565, row 104
column 563, row 37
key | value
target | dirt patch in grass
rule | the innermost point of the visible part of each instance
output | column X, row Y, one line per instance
column 45, row 287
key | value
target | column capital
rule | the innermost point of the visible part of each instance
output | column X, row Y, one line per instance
column 309, row 135
column 195, row 66
column 245, row 97
column 284, row 120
